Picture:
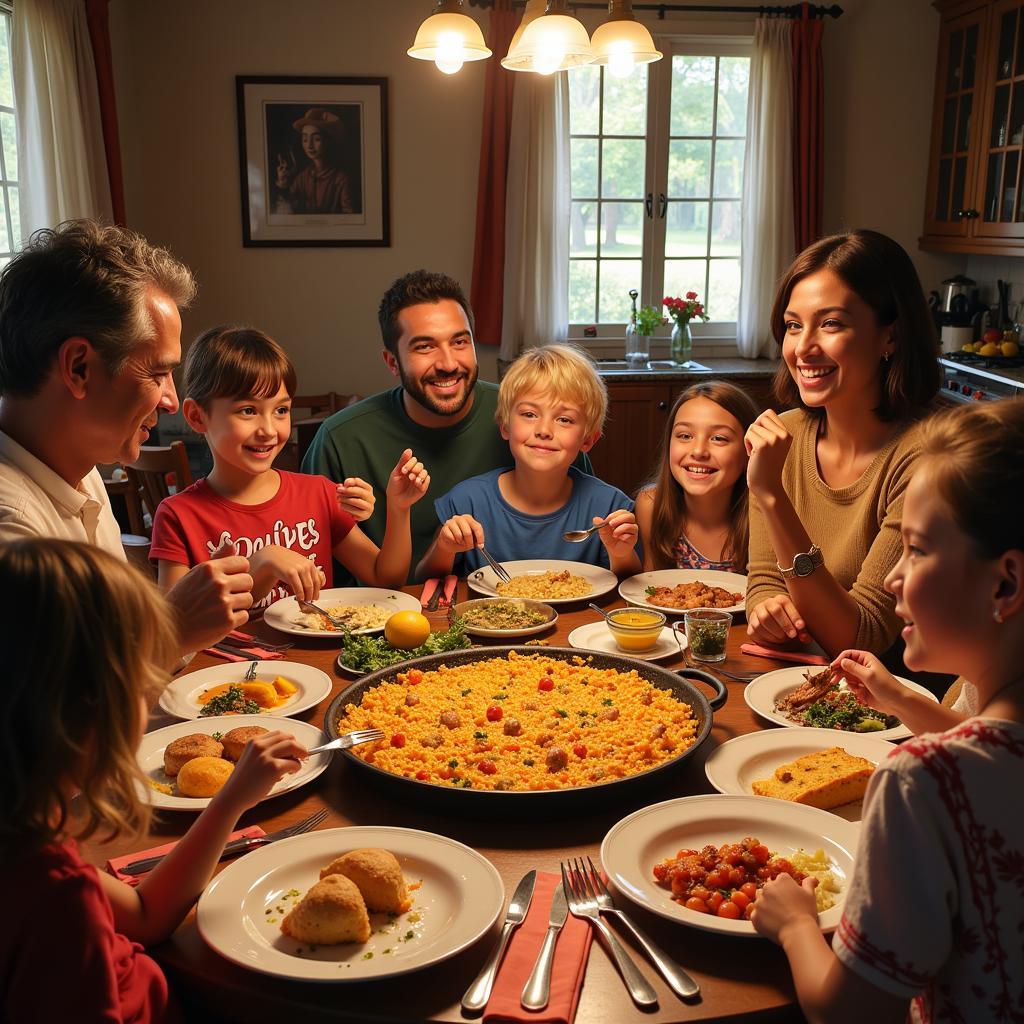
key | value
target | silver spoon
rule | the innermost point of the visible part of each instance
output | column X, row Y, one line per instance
column 600, row 610
column 576, row 536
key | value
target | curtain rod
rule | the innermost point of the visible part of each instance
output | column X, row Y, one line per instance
column 789, row 10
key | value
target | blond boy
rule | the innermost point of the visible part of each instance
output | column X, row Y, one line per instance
column 551, row 407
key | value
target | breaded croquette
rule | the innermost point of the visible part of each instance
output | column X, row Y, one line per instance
column 378, row 875
column 197, row 744
column 332, row 911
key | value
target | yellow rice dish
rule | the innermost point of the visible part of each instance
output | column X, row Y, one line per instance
column 545, row 586
column 520, row 723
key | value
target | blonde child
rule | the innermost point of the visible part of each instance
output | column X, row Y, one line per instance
column 551, row 406
column 72, row 714
column 239, row 385
column 931, row 923
column 693, row 514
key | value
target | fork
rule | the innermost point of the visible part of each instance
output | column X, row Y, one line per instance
column 140, row 867
column 308, row 606
column 255, row 641
column 499, row 570
column 703, row 666
column 679, row 981
column 350, row 739
column 583, row 905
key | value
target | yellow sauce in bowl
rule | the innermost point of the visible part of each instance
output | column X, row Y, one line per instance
column 634, row 629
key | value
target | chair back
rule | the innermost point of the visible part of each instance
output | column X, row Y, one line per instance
column 149, row 472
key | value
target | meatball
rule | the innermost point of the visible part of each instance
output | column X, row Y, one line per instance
column 658, row 731
column 647, row 699
column 512, row 727
column 556, row 759
column 411, row 700
column 608, row 715
column 545, row 739
column 432, row 739
column 449, row 719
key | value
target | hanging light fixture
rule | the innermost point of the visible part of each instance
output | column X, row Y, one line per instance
column 548, row 42
column 449, row 38
column 622, row 42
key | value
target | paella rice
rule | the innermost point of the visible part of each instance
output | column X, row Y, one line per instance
column 521, row 722
column 355, row 616
column 542, row 586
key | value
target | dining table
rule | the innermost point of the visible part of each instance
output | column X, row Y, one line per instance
column 741, row 979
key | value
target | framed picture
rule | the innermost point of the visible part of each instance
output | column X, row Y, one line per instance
column 314, row 161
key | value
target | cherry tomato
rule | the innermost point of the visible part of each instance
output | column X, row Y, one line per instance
column 414, row 676
column 423, row 775
column 579, row 750
column 714, row 901
column 494, row 713
column 729, row 910
column 487, row 767
column 696, row 903
column 718, row 879
column 762, row 853
column 748, row 911
column 749, row 889
column 398, row 740
column 740, row 898
column 737, row 876
column 546, row 684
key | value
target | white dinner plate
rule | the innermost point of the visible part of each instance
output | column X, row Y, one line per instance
column 594, row 636
column 648, row 836
column 181, row 696
column 283, row 615
column 150, row 756
column 762, row 693
column 634, row 590
column 458, row 900
column 734, row 766
column 601, row 580
column 551, row 617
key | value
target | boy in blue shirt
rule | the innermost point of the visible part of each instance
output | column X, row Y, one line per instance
column 551, row 407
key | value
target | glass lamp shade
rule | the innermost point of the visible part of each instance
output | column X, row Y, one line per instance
column 548, row 43
column 449, row 39
column 622, row 44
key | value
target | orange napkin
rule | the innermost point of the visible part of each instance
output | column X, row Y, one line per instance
column 567, row 972
column 116, row 863
column 800, row 657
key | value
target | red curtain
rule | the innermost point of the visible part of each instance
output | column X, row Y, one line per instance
column 808, row 128
column 98, row 16
column 487, row 291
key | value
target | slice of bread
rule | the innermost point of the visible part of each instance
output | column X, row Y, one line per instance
column 825, row 779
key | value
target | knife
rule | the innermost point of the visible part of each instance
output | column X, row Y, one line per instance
column 538, row 987
column 480, row 991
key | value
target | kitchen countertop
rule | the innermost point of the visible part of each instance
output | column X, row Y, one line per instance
column 1012, row 375
column 616, row 371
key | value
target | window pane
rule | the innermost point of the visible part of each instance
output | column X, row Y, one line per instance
column 582, row 290
column 622, row 168
column 617, row 278
column 15, row 205
column 693, row 94
column 583, row 229
column 584, row 96
column 725, row 229
column 689, row 168
column 584, row 168
column 733, row 80
column 686, row 229
column 6, row 81
column 622, row 229
column 625, row 104
column 682, row 276
column 10, row 145
column 724, row 289
column 5, row 240
column 729, row 168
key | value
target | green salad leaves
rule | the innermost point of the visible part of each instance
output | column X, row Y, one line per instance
column 369, row 653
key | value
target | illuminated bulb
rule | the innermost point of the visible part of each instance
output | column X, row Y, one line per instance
column 550, row 54
column 451, row 53
column 620, row 59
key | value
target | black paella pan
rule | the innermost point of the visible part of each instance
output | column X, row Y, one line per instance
column 520, row 804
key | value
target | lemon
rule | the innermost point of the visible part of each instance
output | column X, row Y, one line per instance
column 969, row 347
column 990, row 348
column 406, row 630
column 1010, row 348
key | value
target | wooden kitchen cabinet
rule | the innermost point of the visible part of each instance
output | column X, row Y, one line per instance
column 973, row 198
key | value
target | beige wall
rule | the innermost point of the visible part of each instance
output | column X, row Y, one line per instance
column 175, row 62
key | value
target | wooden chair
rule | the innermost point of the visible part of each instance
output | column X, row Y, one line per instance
column 149, row 472
column 307, row 413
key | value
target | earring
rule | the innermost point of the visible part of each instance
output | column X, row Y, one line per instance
column 997, row 616
column 885, row 358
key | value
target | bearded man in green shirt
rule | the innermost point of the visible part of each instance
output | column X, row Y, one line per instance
column 440, row 410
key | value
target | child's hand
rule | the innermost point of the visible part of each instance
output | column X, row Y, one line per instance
column 460, row 533
column 409, row 481
column 300, row 574
column 767, row 442
column 780, row 903
column 870, row 682
column 356, row 497
column 619, row 534
column 265, row 759
column 777, row 621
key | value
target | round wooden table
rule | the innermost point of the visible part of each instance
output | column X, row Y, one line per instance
column 741, row 980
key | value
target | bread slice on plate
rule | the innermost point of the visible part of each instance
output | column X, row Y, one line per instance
column 825, row 779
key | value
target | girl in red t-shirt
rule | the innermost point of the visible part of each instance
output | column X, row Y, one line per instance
column 85, row 638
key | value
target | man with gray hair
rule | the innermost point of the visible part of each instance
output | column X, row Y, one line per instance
column 90, row 334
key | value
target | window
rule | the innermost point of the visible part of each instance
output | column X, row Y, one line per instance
column 657, row 178
column 10, row 216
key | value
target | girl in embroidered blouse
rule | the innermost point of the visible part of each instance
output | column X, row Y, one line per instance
column 84, row 642
column 931, row 920
column 693, row 514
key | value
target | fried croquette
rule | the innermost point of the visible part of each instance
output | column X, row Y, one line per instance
column 236, row 740
column 378, row 875
column 332, row 911
column 203, row 776
column 182, row 750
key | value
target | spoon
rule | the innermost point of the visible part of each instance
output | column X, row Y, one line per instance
column 600, row 610
column 576, row 536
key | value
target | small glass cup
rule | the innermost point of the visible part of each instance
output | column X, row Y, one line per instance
column 707, row 632
column 635, row 629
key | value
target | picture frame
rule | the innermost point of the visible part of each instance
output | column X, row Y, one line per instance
column 313, row 158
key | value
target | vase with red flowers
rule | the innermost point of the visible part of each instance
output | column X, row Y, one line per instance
column 682, row 312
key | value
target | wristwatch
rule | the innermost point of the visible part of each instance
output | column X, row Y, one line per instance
column 804, row 563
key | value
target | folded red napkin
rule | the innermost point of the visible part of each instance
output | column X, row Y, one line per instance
column 115, row 864
column 428, row 591
column 567, row 972
column 264, row 655
column 800, row 657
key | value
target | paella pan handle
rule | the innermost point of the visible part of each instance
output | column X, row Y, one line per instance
column 721, row 693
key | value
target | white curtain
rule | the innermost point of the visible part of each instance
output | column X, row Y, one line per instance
column 536, row 307
column 768, row 238
column 63, row 166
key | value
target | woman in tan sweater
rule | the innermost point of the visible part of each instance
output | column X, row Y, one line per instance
column 826, row 479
